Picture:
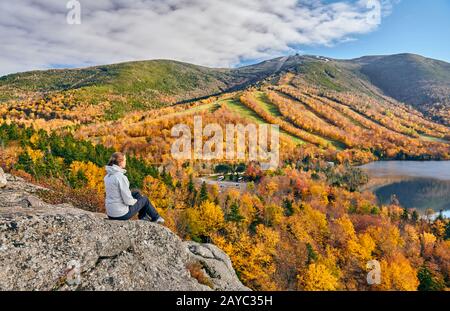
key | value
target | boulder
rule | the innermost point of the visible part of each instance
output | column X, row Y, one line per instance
column 58, row 247
column 216, row 264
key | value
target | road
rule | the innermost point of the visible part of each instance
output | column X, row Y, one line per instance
column 223, row 185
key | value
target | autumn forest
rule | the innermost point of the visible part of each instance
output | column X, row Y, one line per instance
column 308, row 225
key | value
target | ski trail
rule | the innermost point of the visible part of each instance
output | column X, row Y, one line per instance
column 280, row 65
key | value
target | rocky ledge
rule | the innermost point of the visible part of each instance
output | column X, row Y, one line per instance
column 59, row 247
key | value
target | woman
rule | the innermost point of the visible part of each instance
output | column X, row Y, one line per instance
column 120, row 203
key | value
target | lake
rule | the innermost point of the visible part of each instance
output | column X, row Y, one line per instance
column 418, row 185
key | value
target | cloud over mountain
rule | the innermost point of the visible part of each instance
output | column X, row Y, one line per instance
column 36, row 35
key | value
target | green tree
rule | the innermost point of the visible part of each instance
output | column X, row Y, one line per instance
column 25, row 163
column 312, row 255
column 415, row 216
column 190, row 185
column 428, row 282
column 288, row 209
column 234, row 214
column 405, row 215
column 203, row 193
column 222, row 168
column 447, row 231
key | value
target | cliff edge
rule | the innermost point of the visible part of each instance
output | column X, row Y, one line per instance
column 59, row 247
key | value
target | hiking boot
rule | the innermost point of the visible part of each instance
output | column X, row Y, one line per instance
column 160, row 220
column 147, row 218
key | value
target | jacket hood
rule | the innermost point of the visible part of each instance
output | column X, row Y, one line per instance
column 111, row 170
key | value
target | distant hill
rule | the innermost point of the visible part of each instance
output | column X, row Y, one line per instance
column 421, row 82
column 143, row 84
column 132, row 85
column 418, row 81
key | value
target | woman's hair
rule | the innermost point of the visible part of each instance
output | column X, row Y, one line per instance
column 116, row 159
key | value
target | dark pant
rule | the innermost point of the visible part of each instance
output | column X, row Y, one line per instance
column 143, row 208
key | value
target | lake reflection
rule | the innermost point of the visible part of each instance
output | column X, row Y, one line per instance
column 419, row 185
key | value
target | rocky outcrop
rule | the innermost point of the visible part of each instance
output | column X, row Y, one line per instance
column 3, row 180
column 58, row 247
column 216, row 264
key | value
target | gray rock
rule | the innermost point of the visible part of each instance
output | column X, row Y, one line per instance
column 216, row 264
column 49, row 247
column 19, row 193
column 3, row 180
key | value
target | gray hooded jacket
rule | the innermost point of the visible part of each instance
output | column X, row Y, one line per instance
column 118, row 194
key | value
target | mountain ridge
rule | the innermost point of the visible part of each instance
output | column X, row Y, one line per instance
column 420, row 82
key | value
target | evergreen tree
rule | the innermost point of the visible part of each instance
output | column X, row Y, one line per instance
column 288, row 210
column 190, row 185
column 441, row 215
column 234, row 214
column 405, row 215
column 77, row 180
column 312, row 255
column 203, row 193
column 167, row 179
column 447, row 231
column 415, row 216
column 193, row 198
column 427, row 281
column 25, row 163
column 375, row 210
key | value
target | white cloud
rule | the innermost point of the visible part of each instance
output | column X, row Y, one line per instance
column 34, row 34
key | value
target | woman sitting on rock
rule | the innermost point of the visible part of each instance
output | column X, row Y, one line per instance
column 120, row 202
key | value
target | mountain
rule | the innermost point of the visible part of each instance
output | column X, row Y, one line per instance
column 127, row 86
column 132, row 85
column 109, row 255
column 421, row 82
column 418, row 81
column 331, row 104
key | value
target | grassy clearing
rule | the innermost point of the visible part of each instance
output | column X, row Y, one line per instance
column 247, row 113
column 267, row 105
column 434, row 139
column 274, row 111
column 243, row 111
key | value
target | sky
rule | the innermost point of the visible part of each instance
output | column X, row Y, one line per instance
column 414, row 26
column 43, row 34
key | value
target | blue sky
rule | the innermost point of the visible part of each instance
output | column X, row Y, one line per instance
column 36, row 34
column 414, row 26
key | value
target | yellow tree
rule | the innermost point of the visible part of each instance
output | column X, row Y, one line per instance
column 428, row 241
column 247, row 208
column 94, row 174
column 159, row 194
column 308, row 225
column 318, row 278
column 205, row 220
column 271, row 188
column 35, row 155
column 398, row 274
column 253, row 257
